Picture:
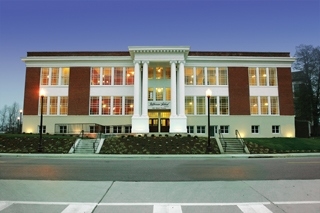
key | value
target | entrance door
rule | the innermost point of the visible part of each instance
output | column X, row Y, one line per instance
column 213, row 130
column 153, row 125
column 165, row 124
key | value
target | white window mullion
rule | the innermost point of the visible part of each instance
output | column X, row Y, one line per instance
column 112, row 76
column 269, row 105
column 206, row 75
column 258, row 77
column 267, row 73
column 101, row 76
column 111, row 105
column 217, row 76
column 58, row 105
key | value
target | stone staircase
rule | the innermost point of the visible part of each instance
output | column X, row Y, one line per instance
column 85, row 146
column 234, row 146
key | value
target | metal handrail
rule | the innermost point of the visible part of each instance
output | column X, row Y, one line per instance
column 238, row 136
column 222, row 140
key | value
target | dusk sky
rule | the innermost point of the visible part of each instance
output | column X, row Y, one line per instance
column 106, row 25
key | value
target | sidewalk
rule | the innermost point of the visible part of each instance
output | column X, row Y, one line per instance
column 44, row 155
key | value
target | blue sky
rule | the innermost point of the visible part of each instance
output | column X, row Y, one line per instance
column 107, row 25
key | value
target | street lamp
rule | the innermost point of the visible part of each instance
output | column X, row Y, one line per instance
column 208, row 94
column 41, row 118
column 20, row 121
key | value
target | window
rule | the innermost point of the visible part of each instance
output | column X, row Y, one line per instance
column 150, row 72
column 128, row 105
column 129, row 76
column 201, row 129
column 168, row 72
column 254, row 129
column 224, row 106
column 189, row 106
column 274, row 105
column 190, row 129
column 262, row 77
column 63, row 105
column 273, row 76
column 200, row 105
column 213, row 105
column 275, row 129
column 106, row 76
column 159, row 72
column 252, row 76
column 264, row 105
column 55, row 76
column 188, row 76
column 159, row 94
column 53, row 105
column 65, row 76
column 224, row 129
column 92, row 129
column 95, row 76
column 44, row 76
column 199, row 76
column 44, row 128
column 150, row 94
column 94, row 105
column 127, row 129
column 168, row 94
column 105, row 129
column 117, row 105
column 211, row 75
column 118, row 76
column 223, row 76
column 105, row 105
column 117, row 129
column 44, row 108
column 254, row 105
column 63, row 129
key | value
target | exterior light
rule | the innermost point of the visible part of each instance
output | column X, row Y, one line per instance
column 41, row 93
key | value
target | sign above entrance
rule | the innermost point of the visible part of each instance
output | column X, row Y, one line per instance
column 159, row 105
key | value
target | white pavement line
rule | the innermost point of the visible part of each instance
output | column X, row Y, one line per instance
column 48, row 203
column 5, row 204
column 167, row 209
column 182, row 204
column 297, row 202
column 254, row 209
column 79, row 208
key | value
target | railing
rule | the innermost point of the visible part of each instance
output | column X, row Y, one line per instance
column 238, row 136
column 74, row 146
column 223, row 141
column 94, row 145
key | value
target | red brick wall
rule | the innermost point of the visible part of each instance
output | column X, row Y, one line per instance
column 31, row 91
column 285, row 91
column 79, row 91
column 239, row 100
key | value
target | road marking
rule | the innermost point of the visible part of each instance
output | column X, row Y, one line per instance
column 182, row 204
column 167, row 209
column 305, row 162
column 5, row 204
column 254, row 209
column 297, row 202
column 79, row 208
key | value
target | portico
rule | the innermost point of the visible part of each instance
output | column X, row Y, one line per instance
column 145, row 101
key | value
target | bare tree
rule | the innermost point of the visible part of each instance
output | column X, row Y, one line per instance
column 308, row 96
column 3, row 118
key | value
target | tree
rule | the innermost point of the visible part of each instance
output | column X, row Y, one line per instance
column 9, row 118
column 308, row 96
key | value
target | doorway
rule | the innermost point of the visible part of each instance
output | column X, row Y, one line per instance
column 159, row 121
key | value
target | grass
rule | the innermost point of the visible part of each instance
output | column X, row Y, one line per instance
column 28, row 143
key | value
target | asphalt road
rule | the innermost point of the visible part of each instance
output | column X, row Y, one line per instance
column 159, row 169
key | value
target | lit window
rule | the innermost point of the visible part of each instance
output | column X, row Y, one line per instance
column 44, row 76
column 159, row 72
column 189, row 106
column 224, row 105
column 106, row 76
column 211, row 75
column 168, row 94
column 53, row 105
column 223, row 76
column 199, row 76
column 273, row 77
column 275, row 129
column 252, row 76
column 118, row 76
column 201, row 129
column 262, row 77
column 159, row 94
column 129, row 105
column 224, row 129
column 150, row 72
column 44, row 109
column 65, row 76
column 254, row 129
column 200, row 105
column 95, row 76
column 117, row 105
column 264, row 105
column 64, row 105
column 105, row 105
column 254, row 105
column 150, row 94
column 94, row 105
column 213, row 105
column 274, row 105
column 188, row 76
column 129, row 76
column 55, row 76
column 168, row 72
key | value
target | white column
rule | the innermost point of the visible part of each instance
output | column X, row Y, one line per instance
column 136, row 88
column 181, row 90
column 173, row 89
column 145, row 89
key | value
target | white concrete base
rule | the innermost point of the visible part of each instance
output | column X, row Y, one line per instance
column 178, row 124
column 140, row 124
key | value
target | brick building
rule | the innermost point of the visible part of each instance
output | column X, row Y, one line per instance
column 160, row 89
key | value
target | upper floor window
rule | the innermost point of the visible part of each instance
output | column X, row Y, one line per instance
column 213, row 105
column 168, row 72
column 264, row 105
column 159, row 94
column 252, row 76
column 63, row 105
column 128, row 105
column 224, row 105
column 129, row 75
column 105, row 105
column 65, row 72
column 55, row 76
column 168, row 94
column 200, row 105
column 94, row 105
column 199, row 76
column 188, row 76
column 223, row 76
column 254, row 105
column 264, row 108
column 106, row 76
column 118, row 76
column 263, row 76
column 273, row 77
column 95, row 76
column 117, row 105
column 54, row 105
column 159, row 72
column 189, row 105
column 44, row 78
column 211, row 75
